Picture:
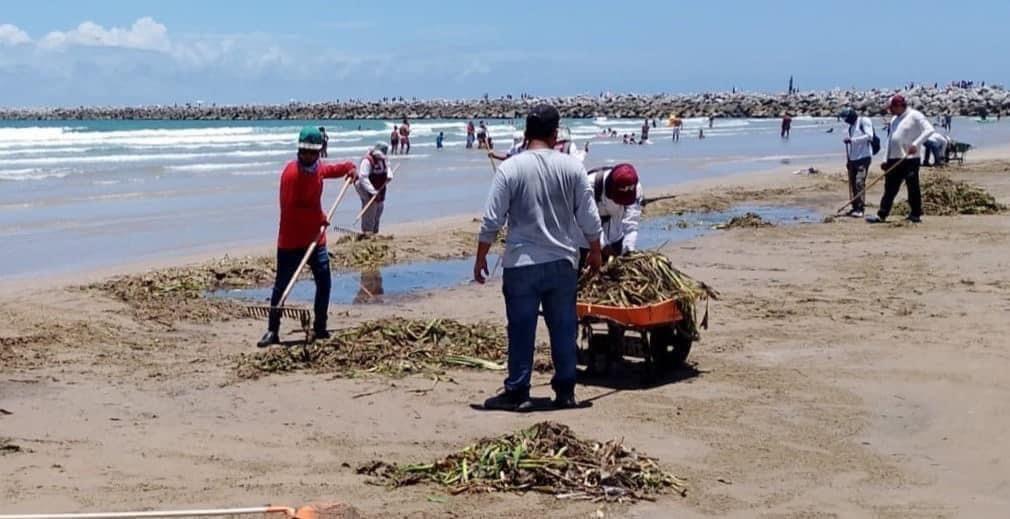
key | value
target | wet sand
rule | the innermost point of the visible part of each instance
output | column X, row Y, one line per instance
column 850, row 371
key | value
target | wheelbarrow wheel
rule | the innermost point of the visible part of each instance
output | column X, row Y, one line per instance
column 670, row 347
column 597, row 357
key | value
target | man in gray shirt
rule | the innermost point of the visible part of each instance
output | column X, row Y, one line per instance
column 547, row 200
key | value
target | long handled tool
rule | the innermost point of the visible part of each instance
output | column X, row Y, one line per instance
column 304, row 315
column 289, row 512
column 313, row 511
column 871, row 184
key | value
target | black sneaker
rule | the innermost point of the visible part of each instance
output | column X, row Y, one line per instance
column 268, row 339
column 322, row 334
column 914, row 219
column 509, row 401
column 874, row 219
column 565, row 401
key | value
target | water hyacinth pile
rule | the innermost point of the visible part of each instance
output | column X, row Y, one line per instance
column 749, row 220
column 646, row 278
column 394, row 347
column 171, row 294
column 546, row 458
column 944, row 196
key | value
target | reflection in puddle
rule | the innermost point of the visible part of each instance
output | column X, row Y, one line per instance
column 398, row 281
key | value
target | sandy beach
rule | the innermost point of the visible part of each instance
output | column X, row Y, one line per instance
column 849, row 371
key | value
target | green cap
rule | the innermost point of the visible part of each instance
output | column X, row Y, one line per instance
column 310, row 139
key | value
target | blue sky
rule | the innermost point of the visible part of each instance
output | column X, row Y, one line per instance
column 131, row 52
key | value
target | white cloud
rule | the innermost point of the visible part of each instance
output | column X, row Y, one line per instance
column 144, row 34
column 12, row 35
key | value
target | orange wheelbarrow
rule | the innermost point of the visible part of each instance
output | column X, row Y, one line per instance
column 660, row 336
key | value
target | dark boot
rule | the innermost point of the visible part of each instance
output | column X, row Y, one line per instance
column 268, row 339
column 509, row 401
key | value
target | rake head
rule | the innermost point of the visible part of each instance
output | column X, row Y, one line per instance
column 304, row 315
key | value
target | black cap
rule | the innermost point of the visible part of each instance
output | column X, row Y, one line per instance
column 542, row 121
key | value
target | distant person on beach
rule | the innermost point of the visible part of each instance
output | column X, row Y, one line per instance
column 645, row 131
column 301, row 190
column 326, row 143
column 439, row 139
column 909, row 129
column 787, row 126
column 482, row 136
column 373, row 175
column 701, row 133
column 405, row 137
column 394, row 139
column 858, row 153
column 935, row 145
column 625, row 138
column 711, row 122
column 469, row 134
column 618, row 196
column 546, row 201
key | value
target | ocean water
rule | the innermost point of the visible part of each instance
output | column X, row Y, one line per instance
column 82, row 194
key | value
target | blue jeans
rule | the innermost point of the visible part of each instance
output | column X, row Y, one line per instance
column 526, row 289
column 287, row 262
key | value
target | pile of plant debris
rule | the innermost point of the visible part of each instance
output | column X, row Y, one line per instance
column 748, row 220
column 166, row 295
column 646, row 278
column 393, row 347
column 547, row 458
column 362, row 252
column 944, row 196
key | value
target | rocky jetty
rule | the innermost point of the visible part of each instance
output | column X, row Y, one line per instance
column 932, row 101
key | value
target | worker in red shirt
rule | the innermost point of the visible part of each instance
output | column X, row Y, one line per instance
column 301, row 190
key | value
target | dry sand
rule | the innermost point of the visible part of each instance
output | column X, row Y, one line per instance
column 850, row 371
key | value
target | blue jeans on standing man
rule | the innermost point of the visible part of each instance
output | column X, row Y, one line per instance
column 287, row 262
column 552, row 286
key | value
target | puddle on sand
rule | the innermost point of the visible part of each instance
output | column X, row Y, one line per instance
column 374, row 286
column 398, row 281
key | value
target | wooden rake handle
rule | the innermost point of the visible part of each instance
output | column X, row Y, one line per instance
column 871, row 184
column 375, row 196
column 312, row 247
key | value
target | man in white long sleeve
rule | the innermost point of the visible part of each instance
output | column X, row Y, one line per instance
column 545, row 198
column 373, row 175
column 859, row 153
column 909, row 129
column 618, row 196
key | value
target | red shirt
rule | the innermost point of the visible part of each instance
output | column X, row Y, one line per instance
column 301, row 207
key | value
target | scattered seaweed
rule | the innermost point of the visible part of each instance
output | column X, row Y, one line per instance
column 546, row 458
column 747, row 221
column 168, row 295
column 394, row 347
column 944, row 196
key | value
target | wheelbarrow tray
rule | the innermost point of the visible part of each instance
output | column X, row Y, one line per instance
column 658, row 314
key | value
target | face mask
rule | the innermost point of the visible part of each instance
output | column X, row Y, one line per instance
column 308, row 168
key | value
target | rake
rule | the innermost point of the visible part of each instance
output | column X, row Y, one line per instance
column 871, row 184
column 304, row 315
column 312, row 511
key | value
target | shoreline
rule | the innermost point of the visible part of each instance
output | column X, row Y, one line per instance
column 410, row 230
column 972, row 101
column 763, row 179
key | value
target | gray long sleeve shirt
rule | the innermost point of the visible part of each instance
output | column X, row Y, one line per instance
column 547, row 200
